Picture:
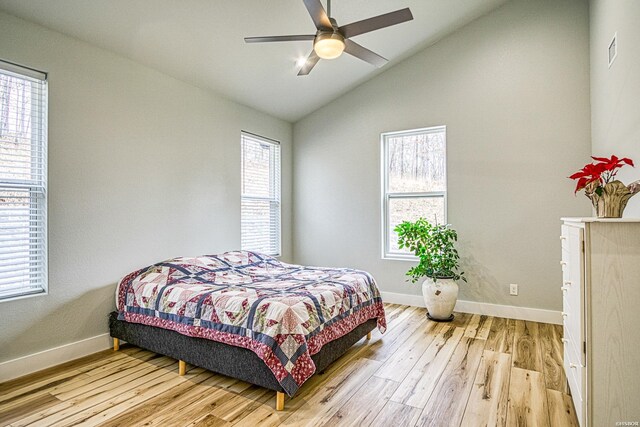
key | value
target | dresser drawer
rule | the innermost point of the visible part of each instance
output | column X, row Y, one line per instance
column 572, row 320
column 575, row 373
column 571, row 330
column 564, row 237
column 566, row 269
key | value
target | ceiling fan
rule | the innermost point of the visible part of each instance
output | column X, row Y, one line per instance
column 330, row 40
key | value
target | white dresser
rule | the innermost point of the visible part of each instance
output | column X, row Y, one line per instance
column 601, row 312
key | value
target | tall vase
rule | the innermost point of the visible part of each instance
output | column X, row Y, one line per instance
column 613, row 197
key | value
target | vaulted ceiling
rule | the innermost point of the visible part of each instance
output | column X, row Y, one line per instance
column 201, row 41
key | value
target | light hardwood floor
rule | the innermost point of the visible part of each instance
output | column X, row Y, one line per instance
column 475, row 371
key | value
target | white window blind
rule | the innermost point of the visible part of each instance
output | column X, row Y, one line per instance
column 414, row 182
column 23, row 181
column 260, row 205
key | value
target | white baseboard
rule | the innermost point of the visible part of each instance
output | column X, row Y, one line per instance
column 403, row 299
column 54, row 356
column 497, row 310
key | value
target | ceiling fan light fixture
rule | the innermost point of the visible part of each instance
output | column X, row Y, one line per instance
column 329, row 45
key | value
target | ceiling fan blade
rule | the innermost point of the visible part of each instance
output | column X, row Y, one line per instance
column 353, row 48
column 312, row 60
column 318, row 14
column 267, row 39
column 375, row 23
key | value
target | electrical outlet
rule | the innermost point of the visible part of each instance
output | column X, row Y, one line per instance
column 513, row 289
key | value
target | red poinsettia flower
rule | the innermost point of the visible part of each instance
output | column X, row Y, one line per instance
column 614, row 162
column 603, row 171
column 588, row 174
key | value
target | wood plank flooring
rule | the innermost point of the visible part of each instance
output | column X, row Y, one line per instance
column 474, row 371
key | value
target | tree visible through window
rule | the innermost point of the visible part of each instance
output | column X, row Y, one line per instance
column 260, row 207
column 414, row 181
column 23, row 207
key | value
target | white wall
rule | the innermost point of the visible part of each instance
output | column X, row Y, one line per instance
column 513, row 90
column 142, row 167
column 615, row 91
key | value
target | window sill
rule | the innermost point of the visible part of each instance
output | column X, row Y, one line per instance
column 390, row 257
column 19, row 297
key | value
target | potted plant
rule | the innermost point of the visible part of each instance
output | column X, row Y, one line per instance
column 608, row 195
column 439, row 262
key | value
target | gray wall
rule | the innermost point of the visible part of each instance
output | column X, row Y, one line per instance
column 142, row 167
column 615, row 91
column 513, row 90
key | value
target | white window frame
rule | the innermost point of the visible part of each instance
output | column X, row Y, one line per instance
column 276, row 181
column 386, row 195
column 39, row 136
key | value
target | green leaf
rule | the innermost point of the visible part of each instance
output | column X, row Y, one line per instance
column 599, row 190
column 434, row 245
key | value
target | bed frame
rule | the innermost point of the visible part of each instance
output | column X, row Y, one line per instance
column 217, row 357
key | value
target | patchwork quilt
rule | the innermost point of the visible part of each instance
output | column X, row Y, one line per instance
column 282, row 312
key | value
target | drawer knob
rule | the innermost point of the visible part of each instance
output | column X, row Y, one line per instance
column 563, row 238
column 565, row 340
column 564, row 289
column 563, row 263
column 565, row 315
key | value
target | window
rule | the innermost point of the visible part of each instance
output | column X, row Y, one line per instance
column 23, row 181
column 414, row 182
column 260, row 205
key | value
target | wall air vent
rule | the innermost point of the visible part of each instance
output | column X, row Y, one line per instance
column 613, row 49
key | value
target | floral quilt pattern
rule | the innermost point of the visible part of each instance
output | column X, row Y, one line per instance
column 282, row 312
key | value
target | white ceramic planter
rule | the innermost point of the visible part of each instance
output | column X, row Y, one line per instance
column 440, row 297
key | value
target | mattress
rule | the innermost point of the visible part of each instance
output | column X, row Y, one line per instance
column 284, row 313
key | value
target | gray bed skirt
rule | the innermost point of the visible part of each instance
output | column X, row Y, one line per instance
column 235, row 362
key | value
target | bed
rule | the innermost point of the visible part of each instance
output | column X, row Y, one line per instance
column 247, row 315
